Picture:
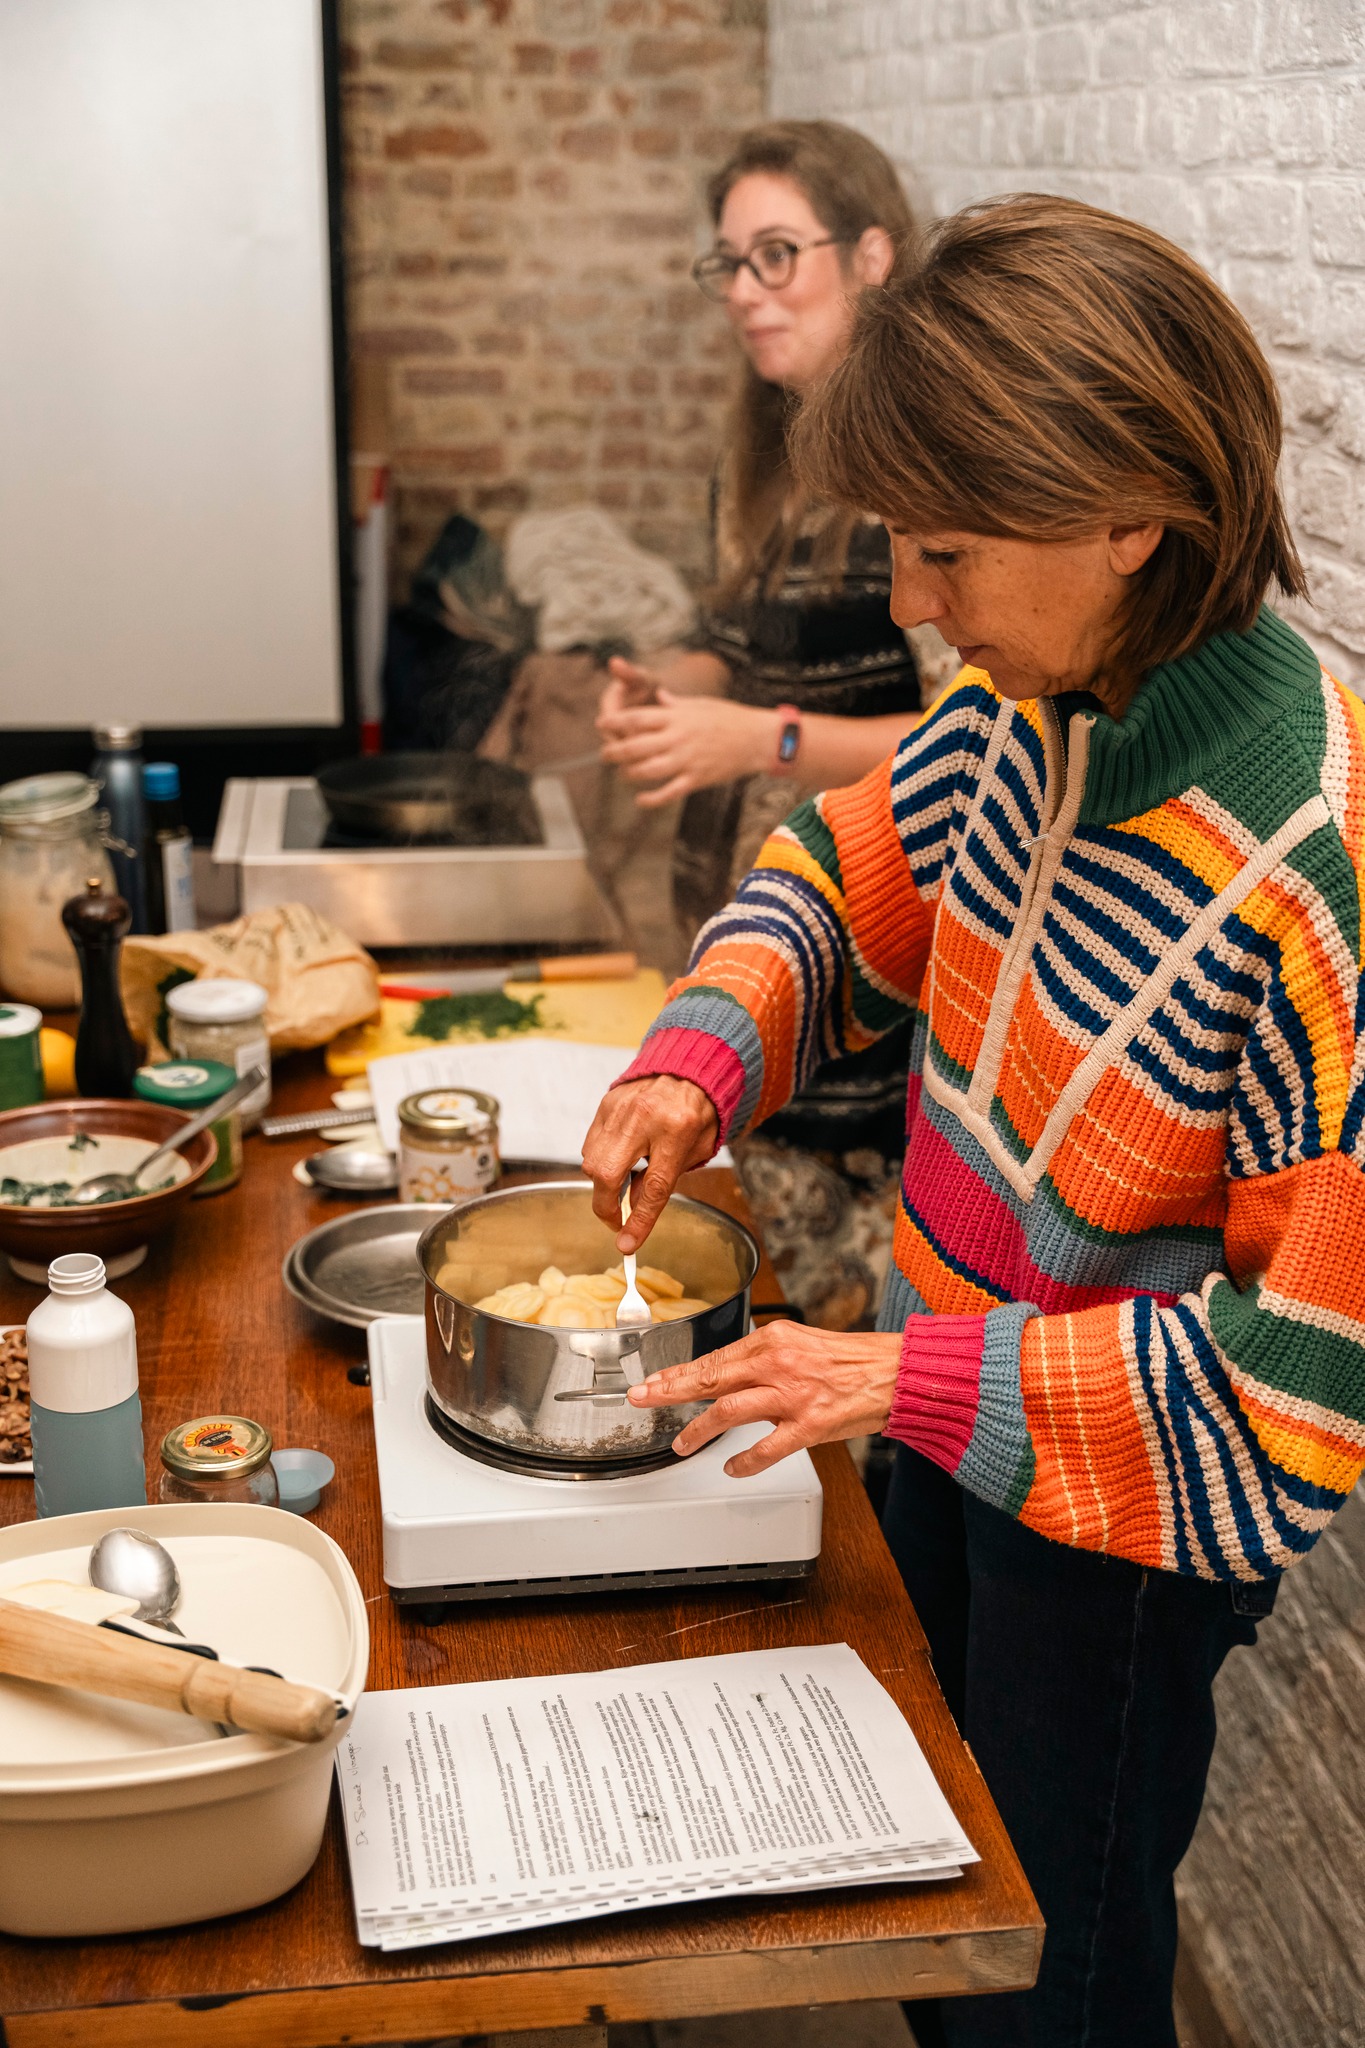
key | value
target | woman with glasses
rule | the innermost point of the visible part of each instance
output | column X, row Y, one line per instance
column 799, row 679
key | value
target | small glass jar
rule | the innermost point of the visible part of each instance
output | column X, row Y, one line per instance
column 51, row 847
column 447, row 1145
column 218, row 1458
column 221, row 1019
column 192, row 1085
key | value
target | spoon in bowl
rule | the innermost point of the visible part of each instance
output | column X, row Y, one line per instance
column 121, row 1187
column 137, row 1566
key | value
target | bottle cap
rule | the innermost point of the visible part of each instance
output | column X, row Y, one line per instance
column 118, row 739
column 217, row 1000
column 76, row 1273
column 161, row 781
column 184, row 1084
column 216, row 1447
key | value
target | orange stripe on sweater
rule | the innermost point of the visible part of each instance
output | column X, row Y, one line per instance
column 1093, row 1486
column 943, row 1290
column 1127, row 1165
column 1315, row 1455
column 890, row 921
column 1290, row 1227
column 966, row 969
column 1038, row 1063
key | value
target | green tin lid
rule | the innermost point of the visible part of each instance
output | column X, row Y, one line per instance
column 184, row 1084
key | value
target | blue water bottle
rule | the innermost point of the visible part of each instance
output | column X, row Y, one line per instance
column 86, row 1417
column 117, row 768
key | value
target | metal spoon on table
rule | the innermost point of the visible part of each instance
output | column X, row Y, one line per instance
column 123, row 1186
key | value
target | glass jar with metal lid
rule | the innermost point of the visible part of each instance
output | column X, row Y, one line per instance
column 447, row 1145
column 192, row 1085
column 221, row 1018
column 219, row 1457
column 51, row 846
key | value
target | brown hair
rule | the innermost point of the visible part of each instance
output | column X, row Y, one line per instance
column 1046, row 369
column 851, row 186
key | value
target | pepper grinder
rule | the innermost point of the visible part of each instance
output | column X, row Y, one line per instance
column 106, row 1057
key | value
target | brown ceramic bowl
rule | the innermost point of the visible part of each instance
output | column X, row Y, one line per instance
column 118, row 1232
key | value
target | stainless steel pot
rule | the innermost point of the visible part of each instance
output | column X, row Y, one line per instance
column 561, row 1394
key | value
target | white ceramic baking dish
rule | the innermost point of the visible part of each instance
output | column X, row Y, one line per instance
column 115, row 1817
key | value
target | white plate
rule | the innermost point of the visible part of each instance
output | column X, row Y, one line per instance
column 25, row 1464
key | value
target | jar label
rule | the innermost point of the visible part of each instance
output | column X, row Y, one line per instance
column 445, row 1176
column 218, row 1437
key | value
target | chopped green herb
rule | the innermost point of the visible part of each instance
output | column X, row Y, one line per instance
column 60, row 1194
column 82, row 1142
column 490, row 1015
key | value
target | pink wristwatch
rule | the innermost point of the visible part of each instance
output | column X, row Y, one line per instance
column 789, row 736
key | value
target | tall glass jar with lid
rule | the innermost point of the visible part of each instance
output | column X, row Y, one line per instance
column 51, row 847
column 223, row 1019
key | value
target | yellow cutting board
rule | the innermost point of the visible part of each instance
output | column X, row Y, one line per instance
column 589, row 1012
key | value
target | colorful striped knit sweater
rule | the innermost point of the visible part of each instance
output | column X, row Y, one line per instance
column 1130, row 1255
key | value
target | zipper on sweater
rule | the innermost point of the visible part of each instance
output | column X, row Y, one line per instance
column 1065, row 786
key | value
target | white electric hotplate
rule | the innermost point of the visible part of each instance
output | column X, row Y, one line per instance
column 458, row 1529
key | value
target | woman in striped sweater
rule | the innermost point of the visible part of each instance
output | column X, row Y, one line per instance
column 1116, row 878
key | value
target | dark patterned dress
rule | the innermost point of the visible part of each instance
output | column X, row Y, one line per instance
column 822, row 1175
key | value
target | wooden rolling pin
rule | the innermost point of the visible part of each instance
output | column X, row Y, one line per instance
column 54, row 1651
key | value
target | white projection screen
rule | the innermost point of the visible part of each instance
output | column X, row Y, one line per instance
column 168, row 453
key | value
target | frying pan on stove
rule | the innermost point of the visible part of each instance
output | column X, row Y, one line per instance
column 454, row 798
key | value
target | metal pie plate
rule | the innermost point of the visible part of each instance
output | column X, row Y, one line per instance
column 362, row 1266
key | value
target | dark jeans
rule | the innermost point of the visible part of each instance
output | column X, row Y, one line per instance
column 1083, row 1685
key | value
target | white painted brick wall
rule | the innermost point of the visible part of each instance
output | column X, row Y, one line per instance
column 1237, row 127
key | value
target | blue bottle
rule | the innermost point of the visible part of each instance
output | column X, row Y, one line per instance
column 117, row 768
column 86, row 1417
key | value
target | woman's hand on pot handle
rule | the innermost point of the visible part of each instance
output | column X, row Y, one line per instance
column 672, row 1123
column 816, row 1386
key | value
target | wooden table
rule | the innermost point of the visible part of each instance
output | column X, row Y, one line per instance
column 215, row 1326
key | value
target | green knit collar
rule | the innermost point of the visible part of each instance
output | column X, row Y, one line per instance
column 1192, row 713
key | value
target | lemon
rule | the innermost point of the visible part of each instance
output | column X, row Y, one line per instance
column 57, row 1049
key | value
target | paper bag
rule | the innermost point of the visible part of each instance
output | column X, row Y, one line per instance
column 318, row 980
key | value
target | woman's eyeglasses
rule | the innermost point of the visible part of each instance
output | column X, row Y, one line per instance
column 772, row 263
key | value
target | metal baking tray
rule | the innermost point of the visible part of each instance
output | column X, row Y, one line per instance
column 362, row 1265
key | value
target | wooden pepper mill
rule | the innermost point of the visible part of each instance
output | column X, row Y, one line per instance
column 106, row 1057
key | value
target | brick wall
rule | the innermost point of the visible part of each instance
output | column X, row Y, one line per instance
column 1238, row 128
column 524, row 181
column 1235, row 126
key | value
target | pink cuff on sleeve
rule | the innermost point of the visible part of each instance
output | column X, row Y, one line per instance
column 693, row 1056
column 938, row 1389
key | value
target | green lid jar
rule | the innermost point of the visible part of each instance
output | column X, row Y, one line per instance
column 192, row 1085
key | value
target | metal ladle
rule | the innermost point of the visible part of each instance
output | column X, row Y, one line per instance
column 123, row 1186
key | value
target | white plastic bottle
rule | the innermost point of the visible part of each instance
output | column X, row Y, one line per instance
column 83, row 1398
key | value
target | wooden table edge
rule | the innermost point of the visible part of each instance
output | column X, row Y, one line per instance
column 688, row 1987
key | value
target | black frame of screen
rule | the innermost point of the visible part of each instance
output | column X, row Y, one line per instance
column 209, row 755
